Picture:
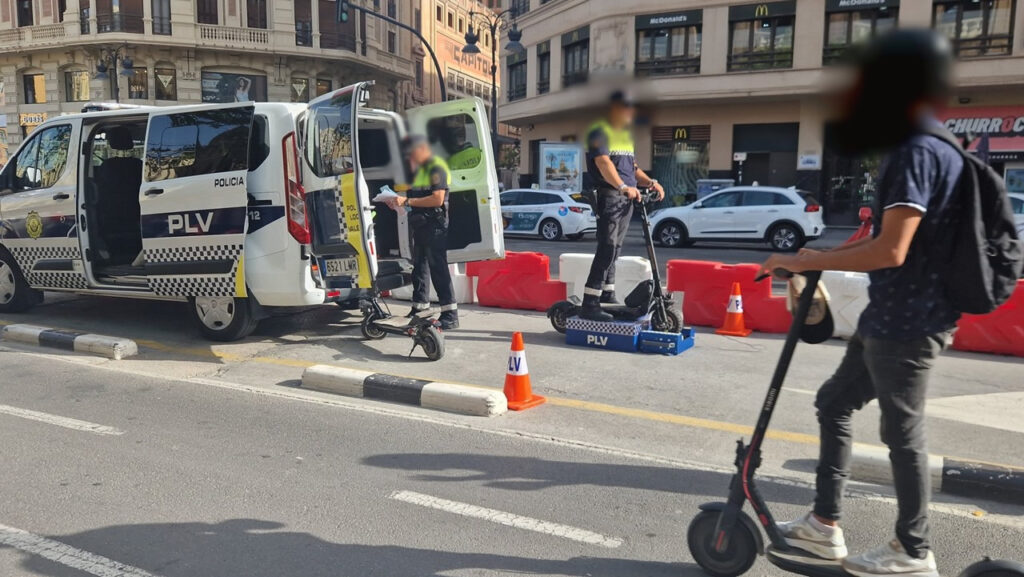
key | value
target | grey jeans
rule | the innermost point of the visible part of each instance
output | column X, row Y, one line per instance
column 896, row 373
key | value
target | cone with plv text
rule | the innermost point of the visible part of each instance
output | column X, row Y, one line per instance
column 517, row 380
column 734, row 326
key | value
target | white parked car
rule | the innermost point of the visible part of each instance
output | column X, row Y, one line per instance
column 549, row 213
column 785, row 218
column 1017, row 201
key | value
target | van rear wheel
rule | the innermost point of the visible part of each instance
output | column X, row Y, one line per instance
column 223, row 318
column 15, row 294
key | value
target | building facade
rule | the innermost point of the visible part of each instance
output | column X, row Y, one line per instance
column 734, row 90
column 191, row 51
column 444, row 24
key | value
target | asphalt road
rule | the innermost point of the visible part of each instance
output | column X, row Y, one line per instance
column 189, row 477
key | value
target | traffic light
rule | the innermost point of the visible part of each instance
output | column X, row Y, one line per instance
column 343, row 8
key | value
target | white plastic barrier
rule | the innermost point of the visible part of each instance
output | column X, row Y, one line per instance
column 573, row 269
column 465, row 293
column 849, row 296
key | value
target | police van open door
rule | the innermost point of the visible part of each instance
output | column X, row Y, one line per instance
column 458, row 132
column 193, row 200
column 337, row 197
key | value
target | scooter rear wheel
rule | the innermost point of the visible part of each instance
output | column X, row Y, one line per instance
column 991, row 568
column 432, row 342
column 739, row 554
column 559, row 314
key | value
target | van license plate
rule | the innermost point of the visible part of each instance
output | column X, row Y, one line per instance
column 341, row 266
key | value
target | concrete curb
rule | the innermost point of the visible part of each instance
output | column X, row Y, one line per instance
column 110, row 347
column 950, row 476
column 449, row 397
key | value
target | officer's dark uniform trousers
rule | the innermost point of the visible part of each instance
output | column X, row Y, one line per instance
column 429, row 228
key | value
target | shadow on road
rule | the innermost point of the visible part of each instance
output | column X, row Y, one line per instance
column 533, row 474
column 254, row 548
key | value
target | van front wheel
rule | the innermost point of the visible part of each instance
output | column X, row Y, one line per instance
column 223, row 319
column 15, row 294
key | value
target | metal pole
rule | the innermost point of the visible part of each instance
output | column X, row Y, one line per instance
column 494, row 88
column 113, row 78
column 430, row 50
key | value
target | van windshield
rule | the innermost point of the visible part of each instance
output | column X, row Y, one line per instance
column 329, row 137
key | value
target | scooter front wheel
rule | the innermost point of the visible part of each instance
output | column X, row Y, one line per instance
column 432, row 342
column 666, row 320
column 739, row 554
column 370, row 330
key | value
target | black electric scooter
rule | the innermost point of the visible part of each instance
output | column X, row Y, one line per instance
column 378, row 322
column 647, row 298
column 725, row 541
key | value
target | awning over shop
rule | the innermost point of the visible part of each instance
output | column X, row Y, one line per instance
column 1004, row 126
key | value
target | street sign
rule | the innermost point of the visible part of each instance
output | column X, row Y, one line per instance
column 739, row 157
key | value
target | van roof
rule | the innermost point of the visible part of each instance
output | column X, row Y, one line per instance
column 260, row 107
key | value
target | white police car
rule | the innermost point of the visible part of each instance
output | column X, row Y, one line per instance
column 234, row 208
column 549, row 213
column 1017, row 203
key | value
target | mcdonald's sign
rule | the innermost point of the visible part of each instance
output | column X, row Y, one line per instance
column 668, row 134
column 763, row 10
column 680, row 133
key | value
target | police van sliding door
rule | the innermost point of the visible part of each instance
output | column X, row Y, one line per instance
column 193, row 200
column 459, row 133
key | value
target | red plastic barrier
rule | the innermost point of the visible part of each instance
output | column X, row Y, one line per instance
column 521, row 281
column 864, row 230
column 707, row 284
column 1000, row 332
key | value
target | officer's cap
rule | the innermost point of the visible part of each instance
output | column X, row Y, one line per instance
column 622, row 98
column 412, row 141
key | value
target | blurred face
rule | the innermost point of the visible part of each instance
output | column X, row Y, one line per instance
column 419, row 154
column 622, row 115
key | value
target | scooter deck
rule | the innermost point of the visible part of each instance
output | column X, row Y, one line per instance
column 801, row 563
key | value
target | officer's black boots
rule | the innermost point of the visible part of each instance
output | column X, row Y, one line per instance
column 449, row 320
column 608, row 298
column 591, row 309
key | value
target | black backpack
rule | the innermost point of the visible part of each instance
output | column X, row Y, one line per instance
column 981, row 257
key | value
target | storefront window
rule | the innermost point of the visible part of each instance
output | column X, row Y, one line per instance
column 761, row 36
column 35, row 88
column 76, row 84
column 976, row 27
column 166, row 83
column 845, row 28
column 323, row 86
column 680, row 155
column 668, row 44
column 138, row 85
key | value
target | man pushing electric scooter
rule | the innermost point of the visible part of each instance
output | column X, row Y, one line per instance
column 943, row 243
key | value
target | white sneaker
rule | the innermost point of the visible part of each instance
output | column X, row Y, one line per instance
column 890, row 559
column 810, row 535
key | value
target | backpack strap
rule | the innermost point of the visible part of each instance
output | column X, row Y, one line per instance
column 946, row 136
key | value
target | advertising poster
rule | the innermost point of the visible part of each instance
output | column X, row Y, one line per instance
column 227, row 87
column 561, row 166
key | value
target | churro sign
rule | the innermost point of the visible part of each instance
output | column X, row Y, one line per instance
column 994, row 121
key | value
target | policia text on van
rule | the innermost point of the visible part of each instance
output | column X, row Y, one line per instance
column 234, row 208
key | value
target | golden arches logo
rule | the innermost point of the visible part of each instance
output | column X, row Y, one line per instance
column 680, row 134
column 761, row 11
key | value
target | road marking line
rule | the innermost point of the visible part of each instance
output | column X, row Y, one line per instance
column 67, row 555
column 66, row 422
column 508, row 519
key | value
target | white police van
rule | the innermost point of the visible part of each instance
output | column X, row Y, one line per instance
column 234, row 208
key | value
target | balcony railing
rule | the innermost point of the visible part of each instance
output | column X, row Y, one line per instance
column 119, row 22
column 303, row 33
column 14, row 36
column 577, row 77
column 543, row 86
column 761, row 60
column 677, row 66
column 994, row 45
column 32, row 35
column 516, row 92
column 233, row 37
column 338, row 41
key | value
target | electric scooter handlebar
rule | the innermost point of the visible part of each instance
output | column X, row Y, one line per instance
column 779, row 273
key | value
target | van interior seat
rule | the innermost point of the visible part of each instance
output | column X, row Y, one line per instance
column 119, row 179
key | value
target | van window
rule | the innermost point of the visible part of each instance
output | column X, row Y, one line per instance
column 259, row 147
column 374, row 149
column 42, row 161
column 195, row 143
column 456, row 138
column 329, row 133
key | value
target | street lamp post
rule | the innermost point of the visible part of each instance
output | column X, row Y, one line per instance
column 494, row 23
column 107, row 67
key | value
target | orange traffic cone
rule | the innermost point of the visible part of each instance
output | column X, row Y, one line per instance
column 517, row 381
column 734, row 326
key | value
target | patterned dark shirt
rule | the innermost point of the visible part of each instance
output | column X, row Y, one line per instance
column 908, row 302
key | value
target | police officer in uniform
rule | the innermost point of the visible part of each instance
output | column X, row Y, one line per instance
column 427, row 200
column 612, row 168
column 462, row 154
